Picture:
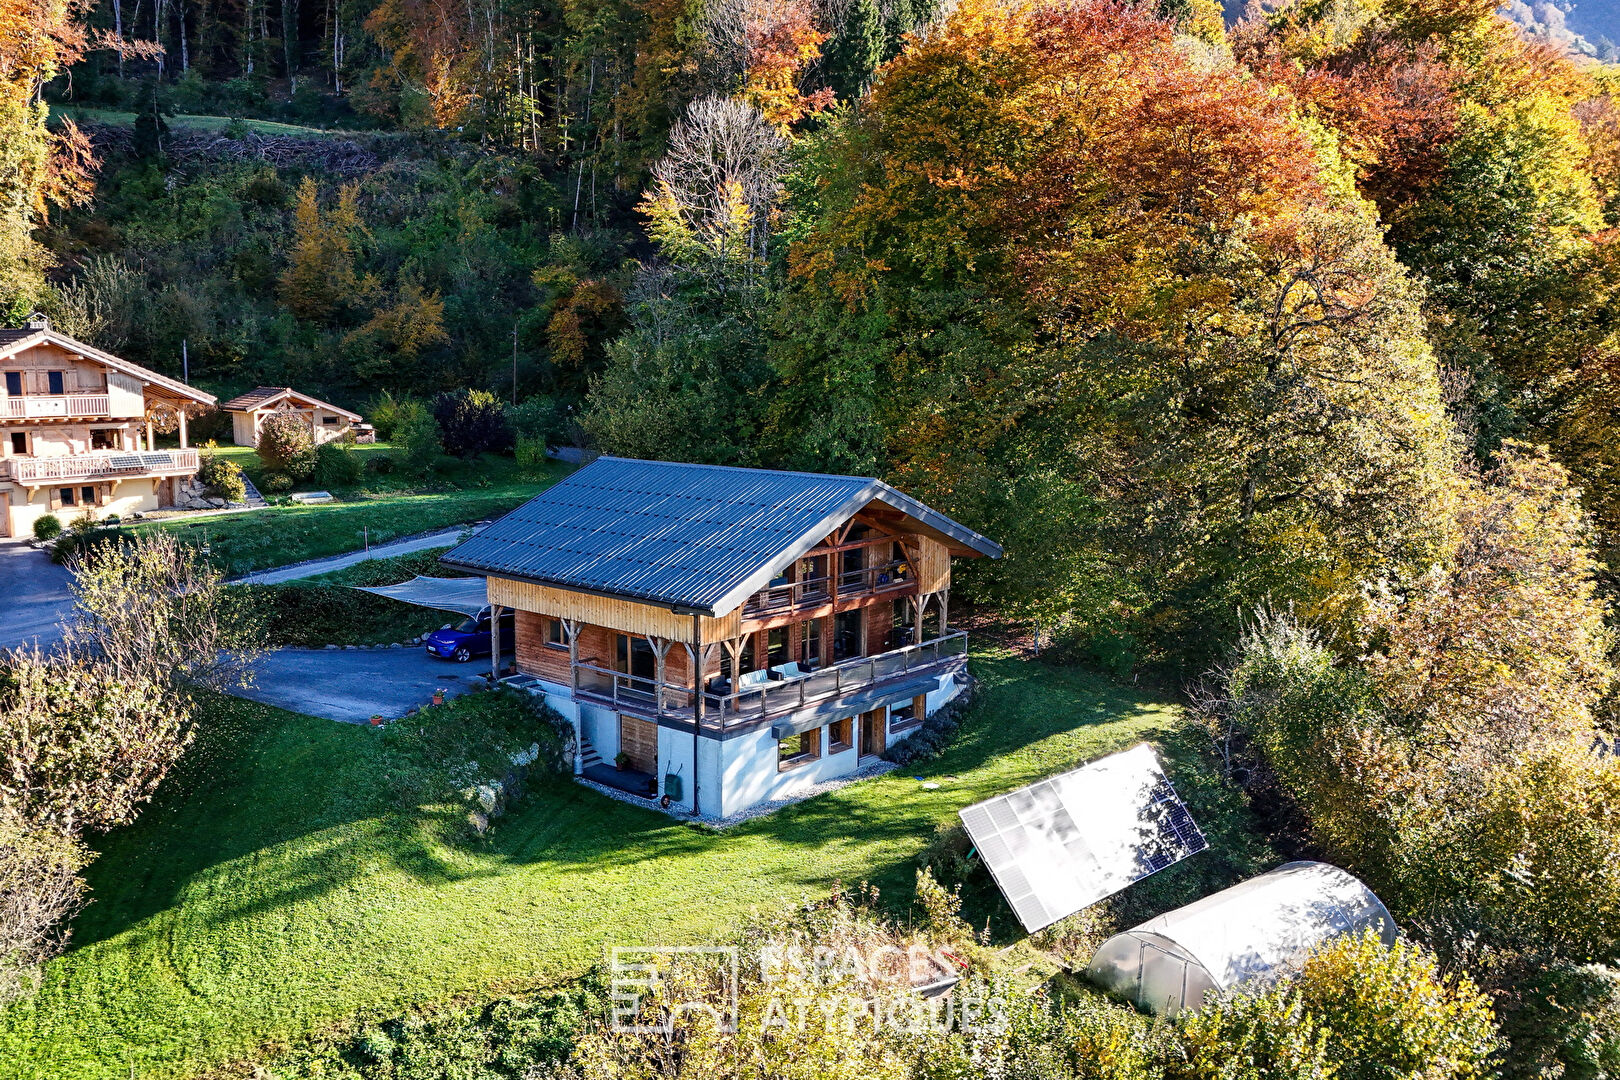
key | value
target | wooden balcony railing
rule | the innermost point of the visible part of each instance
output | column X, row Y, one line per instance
column 109, row 464
column 774, row 698
column 816, row 592
column 35, row 406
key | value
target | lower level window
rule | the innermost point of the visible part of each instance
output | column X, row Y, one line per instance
column 840, row 735
column 68, row 497
column 798, row 749
column 905, row 716
column 554, row 634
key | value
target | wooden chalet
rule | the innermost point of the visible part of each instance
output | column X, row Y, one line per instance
column 814, row 608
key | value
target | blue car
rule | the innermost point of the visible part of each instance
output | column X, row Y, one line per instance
column 468, row 638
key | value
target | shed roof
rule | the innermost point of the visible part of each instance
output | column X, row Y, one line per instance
column 15, row 341
column 261, row 397
column 699, row 536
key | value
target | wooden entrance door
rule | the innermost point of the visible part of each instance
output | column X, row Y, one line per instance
column 873, row 737
column 638, row 741
column 5, row 513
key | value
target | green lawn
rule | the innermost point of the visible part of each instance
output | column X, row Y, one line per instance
column 86, row 113
column 268, row 894
column 384, row 509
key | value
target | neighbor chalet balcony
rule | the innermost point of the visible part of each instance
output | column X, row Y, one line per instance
column 55, row 407
column 100, row 465
column 768, row 695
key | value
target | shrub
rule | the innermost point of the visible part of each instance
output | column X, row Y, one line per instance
column 80, row 537
column 337, row 465
column 417, row 442
column 484, row 740
column 47, row 527
column 221, row 476
column 933, row 736
column 537, row 420
column 40, row 889
column 383, row 413
column 211, row 427
column 381, row 464
column 276, row 483
column 1562, row 1020
column 85, row 742
column 472, row 422
column 286, row 445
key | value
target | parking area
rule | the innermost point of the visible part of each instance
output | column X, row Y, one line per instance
column 353, row 685
column 34, row 597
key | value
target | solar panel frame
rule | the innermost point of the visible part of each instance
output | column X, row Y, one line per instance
column 1053, row 848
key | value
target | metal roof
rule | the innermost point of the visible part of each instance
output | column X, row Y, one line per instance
column 704, row 537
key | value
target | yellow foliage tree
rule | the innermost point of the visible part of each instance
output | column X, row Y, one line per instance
column 320, row 276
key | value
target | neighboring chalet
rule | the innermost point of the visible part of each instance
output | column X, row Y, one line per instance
column 816, row 608
column 76, row 431
column 249, row 411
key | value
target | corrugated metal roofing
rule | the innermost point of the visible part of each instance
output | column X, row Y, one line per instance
column 703, row 536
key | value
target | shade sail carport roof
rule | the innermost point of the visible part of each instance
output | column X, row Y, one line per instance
column 463, row 595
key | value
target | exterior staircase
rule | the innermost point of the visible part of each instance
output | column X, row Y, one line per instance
column 588, row 752
column 254, row 498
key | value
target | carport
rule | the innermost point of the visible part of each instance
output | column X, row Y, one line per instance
column 463, row 595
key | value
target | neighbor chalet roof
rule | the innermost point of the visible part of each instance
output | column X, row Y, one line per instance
column 261, row 397
column 704, row 537
column 15, row 341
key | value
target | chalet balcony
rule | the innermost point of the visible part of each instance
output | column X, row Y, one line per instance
column 795, row 597
column 780, row 692
column 101, row 465
column 57, row 407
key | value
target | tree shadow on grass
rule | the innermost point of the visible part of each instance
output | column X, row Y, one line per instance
column 291, row 798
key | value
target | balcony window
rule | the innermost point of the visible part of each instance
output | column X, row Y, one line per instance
column 776, row 647
column 14, row 383
column 54, row 379
column 106, row 439
column 19, row 442
column 849, row 637
column 796, row 750
column 554, row 634
column 810, row 644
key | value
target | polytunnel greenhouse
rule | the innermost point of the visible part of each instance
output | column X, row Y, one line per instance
column 1258, row 930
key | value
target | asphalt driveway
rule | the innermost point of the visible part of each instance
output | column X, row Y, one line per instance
column 353, row 685
column 34, row 597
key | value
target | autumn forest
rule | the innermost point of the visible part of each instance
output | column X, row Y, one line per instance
column 1280, row 348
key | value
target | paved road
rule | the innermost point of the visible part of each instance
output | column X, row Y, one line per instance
column 353, row 685
column 442, row 538
column 33, row 597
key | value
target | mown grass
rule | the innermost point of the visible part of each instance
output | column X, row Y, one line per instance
column 380, row 509
column 271, row 892
column 125, row 118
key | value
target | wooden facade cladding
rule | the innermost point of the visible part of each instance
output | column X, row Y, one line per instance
column 932, row 561
column 626, row 616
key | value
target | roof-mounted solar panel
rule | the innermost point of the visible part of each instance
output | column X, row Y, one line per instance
column 1066, row 842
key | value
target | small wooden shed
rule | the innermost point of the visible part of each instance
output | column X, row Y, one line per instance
column 249, row 411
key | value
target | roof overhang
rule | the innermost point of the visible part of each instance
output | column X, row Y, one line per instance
column 288, row 393
column 89, row 352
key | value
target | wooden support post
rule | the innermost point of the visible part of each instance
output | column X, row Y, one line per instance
column 150, row 445
column 184, row 443
column 571, row 631
column 494, row 626
column 944, row 611
column 920, row 605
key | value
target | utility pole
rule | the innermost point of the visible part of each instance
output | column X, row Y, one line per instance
column 185, row 363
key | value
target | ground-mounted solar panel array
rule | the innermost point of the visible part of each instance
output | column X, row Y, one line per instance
column 1066, row 842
